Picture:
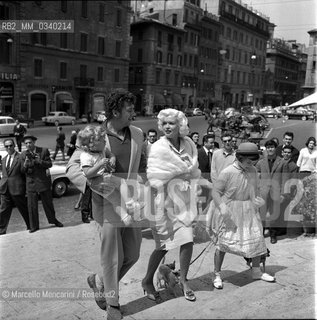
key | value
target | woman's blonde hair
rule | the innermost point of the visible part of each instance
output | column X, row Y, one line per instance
column 87, row 136
column 180, row 117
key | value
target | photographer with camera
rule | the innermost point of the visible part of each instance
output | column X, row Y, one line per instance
column 36, row 162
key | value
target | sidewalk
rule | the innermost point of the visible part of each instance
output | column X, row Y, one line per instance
column 56, row 262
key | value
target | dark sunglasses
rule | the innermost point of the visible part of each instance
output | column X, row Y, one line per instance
column 8, row 146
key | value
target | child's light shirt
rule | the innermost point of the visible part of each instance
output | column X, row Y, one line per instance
column 89, row 159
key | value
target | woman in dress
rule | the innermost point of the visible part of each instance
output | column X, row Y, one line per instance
column 233, row 218
column 307, row 160
column 173, row 175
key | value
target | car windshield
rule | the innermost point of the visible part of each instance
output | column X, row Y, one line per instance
column 51, row 114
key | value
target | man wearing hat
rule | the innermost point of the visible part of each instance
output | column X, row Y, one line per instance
column 36, row 162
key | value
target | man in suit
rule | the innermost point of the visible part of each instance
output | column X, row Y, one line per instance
column 120, row 244
column 12, row 187
column 288, row 138
column 271, row 170
column 36, row 162
column 204, row 163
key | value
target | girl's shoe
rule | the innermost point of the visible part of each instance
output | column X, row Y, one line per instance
column 217, row 281
column 188, row 294
column 258, row 275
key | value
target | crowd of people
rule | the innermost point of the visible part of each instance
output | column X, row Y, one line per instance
column 124, row 175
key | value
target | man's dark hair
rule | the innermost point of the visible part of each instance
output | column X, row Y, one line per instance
column 287, row 147
column 226, row 134
column 192, row 134
column 208, row 136
column 152, row 130
column 9, row 139
column 289, row 133
column 115, row 101
column 270, row 143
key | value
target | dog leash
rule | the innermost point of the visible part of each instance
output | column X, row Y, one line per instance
column 201, row 253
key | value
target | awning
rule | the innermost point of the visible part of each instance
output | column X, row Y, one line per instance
column 65, row 98
column 169, row 101
column 159, row 99
column 311, row 99
column 177, row 99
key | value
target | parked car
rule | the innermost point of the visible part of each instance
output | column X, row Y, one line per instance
column 7, row 124
column 58, row 118
column 60, row 182
column 22, row 118
column 188, row 112
column 197, row 112
column 269, row 112
column 300, row 113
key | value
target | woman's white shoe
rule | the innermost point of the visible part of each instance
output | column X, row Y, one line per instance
column 217, row 281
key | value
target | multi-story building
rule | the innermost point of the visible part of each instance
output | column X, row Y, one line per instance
column 284, row 78
column 156, row 65
column 67, row 70
column 311, row 75
column 243, row 37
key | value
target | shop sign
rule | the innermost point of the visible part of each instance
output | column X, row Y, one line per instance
column 8, row 76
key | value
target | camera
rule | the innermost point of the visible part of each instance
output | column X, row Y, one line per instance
column 30, row 155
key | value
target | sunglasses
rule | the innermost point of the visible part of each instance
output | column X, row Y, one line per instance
column 8, row 146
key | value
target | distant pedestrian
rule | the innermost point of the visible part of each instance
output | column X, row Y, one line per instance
column 19, row 131
column 307, row 160
column 195, row 137
column 60, row 143
column 12, row 187
column 36, row 162
column 72, row 143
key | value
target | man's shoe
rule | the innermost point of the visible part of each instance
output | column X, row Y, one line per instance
column 33, row 230
column 58, row 224
column 273, row 239
column 99, row 294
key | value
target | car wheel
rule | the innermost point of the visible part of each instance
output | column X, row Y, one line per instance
column 73, row 122
column 60, row 187
column 304, row 118
column 56, row 123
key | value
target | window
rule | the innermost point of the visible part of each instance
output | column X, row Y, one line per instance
column 186, row 15
column 84, row 8
column 140, row 55
column 64, row 5
column 158, row 76
column 4, row 11
column 167, row 76
column 159, row 39
column 118, row 48
column 140, row 35
column 190, row 62
column 5, row 52
column 38, row 65
column 83, row 42
column 100, row 74
column 63, row 70
column 34, row 38
column 179, row 43
column 170, row 40
column 169, row 58
column 159, row 57
column 185, row 60
column 43, row 39
column 101, row 12
column 228, row 33
column 83, row 71
column 63, row 40
column 235, row 35
column 116, row 75
column 101, row 45
column 176, row 79
column 119, row 18
column 179, row 60
column 139, row 75
column 174, row 19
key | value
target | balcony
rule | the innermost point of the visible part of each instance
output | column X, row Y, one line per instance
column 84, row 83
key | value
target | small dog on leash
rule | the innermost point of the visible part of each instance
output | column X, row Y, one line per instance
column 167, row 277
column 263, row 259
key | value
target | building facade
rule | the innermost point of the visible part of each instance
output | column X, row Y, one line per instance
column 285, row 62
column 310, row 85
column 68, row 71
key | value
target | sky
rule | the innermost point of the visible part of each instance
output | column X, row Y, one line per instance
column 293, row 18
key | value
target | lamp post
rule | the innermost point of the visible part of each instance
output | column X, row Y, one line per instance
column 253, row 58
